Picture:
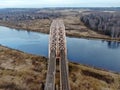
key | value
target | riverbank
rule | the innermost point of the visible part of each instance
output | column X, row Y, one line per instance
column 74, row 28
column 22, row 71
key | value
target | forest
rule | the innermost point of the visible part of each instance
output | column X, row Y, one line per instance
column 107, row 23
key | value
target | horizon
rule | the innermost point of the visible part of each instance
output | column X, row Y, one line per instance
column 58, row 3
column 53, row 7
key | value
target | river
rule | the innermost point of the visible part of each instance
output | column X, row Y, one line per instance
column 93, row 52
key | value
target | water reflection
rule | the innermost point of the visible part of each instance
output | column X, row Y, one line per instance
column 113, row 44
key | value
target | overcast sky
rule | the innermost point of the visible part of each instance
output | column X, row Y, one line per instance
column 58, row 3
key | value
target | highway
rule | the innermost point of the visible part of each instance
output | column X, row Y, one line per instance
column 57, row 49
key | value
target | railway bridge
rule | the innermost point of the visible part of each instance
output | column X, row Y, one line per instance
column 57, row 50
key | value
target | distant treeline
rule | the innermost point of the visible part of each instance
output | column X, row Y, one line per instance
column 107, row 23
column 26, row 14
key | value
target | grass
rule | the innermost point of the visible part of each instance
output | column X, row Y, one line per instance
column 29, row 73
column 10, row 86
column 108, row 79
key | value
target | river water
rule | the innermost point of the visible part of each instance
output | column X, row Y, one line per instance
column 98, row 53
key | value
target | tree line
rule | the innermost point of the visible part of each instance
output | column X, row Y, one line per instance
column 107, row 23
column 26, row 14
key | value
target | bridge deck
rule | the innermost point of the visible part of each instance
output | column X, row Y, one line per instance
column 57, row 49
